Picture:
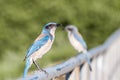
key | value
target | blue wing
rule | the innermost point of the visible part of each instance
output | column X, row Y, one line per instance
column 37, row 45
column 80, row 39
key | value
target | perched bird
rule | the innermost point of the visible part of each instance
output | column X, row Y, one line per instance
column 41, row 45
column 77, row 41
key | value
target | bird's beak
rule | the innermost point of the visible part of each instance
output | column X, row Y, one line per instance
column 58, row 25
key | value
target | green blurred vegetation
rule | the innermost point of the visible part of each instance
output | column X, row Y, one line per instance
column 21, row 22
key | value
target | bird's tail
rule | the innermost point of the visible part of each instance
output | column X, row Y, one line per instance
column 27, row 66
column 88, row 61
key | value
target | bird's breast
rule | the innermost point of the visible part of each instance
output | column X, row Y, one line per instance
column 75, row 43
column 44, row 49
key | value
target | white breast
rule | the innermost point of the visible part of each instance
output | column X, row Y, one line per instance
column 76, row 44
column 44, row 49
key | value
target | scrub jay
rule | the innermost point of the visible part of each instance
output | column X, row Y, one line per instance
column 77, row 41
column 41, row 46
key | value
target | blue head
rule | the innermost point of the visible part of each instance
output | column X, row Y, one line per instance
column 71, row 29
column 50, row 28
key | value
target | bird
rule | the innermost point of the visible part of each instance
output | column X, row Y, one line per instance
column 77, row 41
column 40, row 46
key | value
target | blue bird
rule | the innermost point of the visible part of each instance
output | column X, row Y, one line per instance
column 41, row 46
column 77, row 41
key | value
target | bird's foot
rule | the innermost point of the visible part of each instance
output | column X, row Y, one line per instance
column 44, row 71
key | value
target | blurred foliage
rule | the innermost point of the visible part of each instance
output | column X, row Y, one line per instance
column 21, row 22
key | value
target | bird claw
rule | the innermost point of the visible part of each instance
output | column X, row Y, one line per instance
column 45, row 72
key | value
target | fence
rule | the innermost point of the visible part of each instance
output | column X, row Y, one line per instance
column 105, row 63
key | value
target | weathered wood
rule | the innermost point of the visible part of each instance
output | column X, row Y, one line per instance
column 75, row 61
column 106, row 65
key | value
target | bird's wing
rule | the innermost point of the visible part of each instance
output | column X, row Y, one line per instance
column 80, row 39
column 37, row 45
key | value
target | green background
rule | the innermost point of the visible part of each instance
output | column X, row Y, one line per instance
column 21, row 21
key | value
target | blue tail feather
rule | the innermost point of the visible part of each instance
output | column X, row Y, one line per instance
column 27, row 66
column 88, row 61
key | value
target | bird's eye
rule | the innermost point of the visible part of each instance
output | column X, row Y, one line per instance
column 69, row 29
column 47, row 27
column 50, row 25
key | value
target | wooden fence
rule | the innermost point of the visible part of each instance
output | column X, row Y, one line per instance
column 105, row 63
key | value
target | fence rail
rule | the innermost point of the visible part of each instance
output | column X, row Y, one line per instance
column 105, row 63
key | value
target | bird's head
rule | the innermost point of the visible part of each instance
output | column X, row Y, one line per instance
column 71, row 28
column 50, row 28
